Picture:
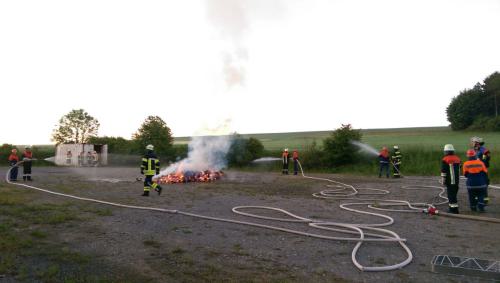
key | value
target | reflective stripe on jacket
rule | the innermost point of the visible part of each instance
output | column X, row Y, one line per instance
column 475, row 171
column 150, row 164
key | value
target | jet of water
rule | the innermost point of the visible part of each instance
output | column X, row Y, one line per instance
column 365, row 148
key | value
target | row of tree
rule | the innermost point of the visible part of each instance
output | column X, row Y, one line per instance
column 477, row 108
column 78, row 126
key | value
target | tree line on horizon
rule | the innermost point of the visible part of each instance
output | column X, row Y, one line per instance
column 476, row 108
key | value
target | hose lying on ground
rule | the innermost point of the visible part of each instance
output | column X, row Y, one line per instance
column 365, row 232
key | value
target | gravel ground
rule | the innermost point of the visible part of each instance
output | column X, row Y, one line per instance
column 173, row 247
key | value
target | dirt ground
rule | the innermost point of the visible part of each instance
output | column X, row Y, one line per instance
column 176, row 248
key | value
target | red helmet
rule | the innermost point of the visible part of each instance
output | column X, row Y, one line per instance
column 470, row 153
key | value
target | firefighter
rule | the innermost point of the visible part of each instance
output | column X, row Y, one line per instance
column 150, row 167
column 396, row 162
column 483, row 154
column 450, row 176
column 27, row 162
column 475, row 171
column 13, row 160
column 384, row 162
column 295, row 156
column 284, row 157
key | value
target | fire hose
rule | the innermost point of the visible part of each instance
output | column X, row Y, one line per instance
column 373, row 233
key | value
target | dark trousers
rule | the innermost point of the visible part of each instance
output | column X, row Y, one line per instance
column 13, row 173
column 476, row 198
column 148, row 183
column 285, row 168
column 384, row 166
column 27, row 170
column 452, row 191
column 295, row 167
column 395, row 172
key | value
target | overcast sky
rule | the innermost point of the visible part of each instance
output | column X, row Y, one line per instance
column 261, row 65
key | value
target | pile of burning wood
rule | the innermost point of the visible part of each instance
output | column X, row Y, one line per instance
column 190, row 176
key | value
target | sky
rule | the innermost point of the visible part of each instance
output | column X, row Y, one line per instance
column 253, row 66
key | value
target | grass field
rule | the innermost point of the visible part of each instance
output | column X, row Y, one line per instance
column 430, row 137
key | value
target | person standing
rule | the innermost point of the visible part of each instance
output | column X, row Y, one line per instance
column 13, row 160
column 150, row 166
column 284, row 157
column 396, row 162
column 295, row 156
column 483, row 154
column 475, row 171
column 450, row 174
column 384, row 162
column 27, row 163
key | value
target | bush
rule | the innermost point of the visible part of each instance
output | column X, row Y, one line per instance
column 243, row 151
column 486, row 124
column 338, row 149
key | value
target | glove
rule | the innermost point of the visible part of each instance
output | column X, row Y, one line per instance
column 142, row 171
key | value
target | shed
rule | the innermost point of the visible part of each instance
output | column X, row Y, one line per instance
column 81, row 154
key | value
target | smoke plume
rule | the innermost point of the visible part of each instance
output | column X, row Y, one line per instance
column 232, row 20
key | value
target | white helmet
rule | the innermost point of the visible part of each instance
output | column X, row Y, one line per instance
column 396, row 147
column 150, row 147
column 286, row 149
column 475, row 139
column 448, row 147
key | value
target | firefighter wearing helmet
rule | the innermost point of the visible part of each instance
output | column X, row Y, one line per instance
column 396, row 162
column 483, row 154
column 27, row 163
column 285, row 159
column 150, row 167
column 450, row 176
column 475, row 171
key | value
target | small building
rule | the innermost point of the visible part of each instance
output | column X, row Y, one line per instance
column 81, row 154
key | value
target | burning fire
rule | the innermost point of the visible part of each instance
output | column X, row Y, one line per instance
column 190, row 176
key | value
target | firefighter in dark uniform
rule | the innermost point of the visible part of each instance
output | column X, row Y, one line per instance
column 295, row 157
column 483, row 154
column 396, row 162
column 450, row 174
column 284, row 157
column 27, row 162
column 13, row 160
column 150, row 167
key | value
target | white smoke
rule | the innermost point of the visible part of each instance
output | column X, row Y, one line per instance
column 205, row 152
column 233, row 20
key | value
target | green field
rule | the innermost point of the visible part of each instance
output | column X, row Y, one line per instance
column 431, row 137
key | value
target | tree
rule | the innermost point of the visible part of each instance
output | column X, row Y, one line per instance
column 338, row 148
column 491, row 87
column 243, row 151
column 75, row 127
column 155, row 131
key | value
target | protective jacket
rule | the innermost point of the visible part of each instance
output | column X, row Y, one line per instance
column 475, row 171
column 450, row 169
column 396, row 157
column 150, row 164
column 13, row 159
column 384, row 156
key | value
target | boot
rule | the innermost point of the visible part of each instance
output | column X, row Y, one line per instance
column 158, row 189
column 24, row 178
column 453, row 210
column 473, row 208
column 30, row 179
column 145, row 194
